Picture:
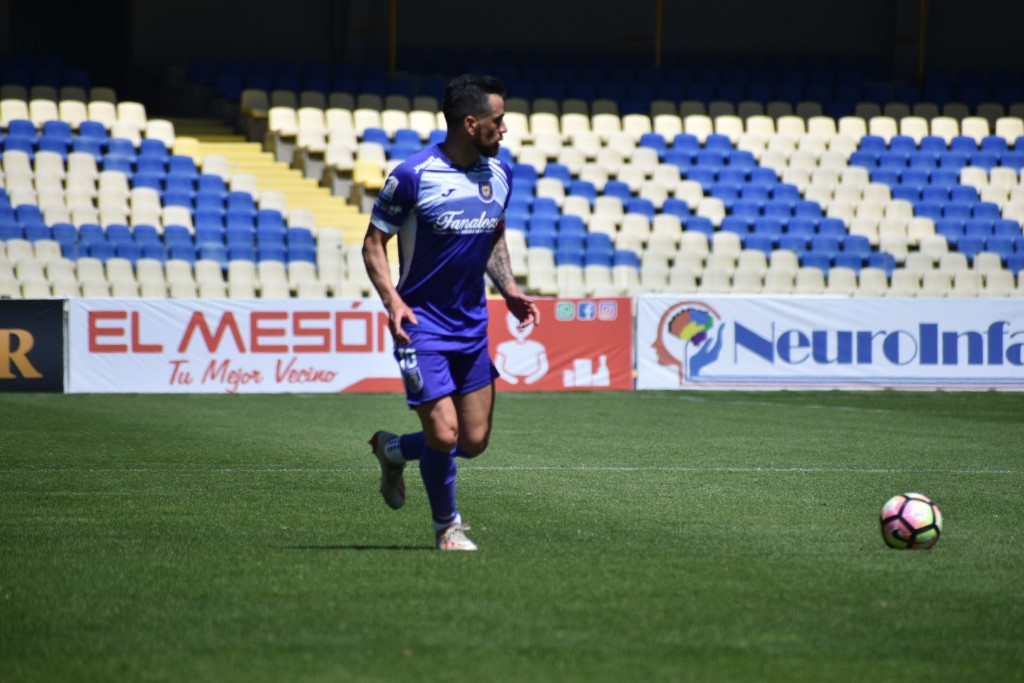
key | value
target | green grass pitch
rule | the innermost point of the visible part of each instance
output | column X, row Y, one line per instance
column 623, row 537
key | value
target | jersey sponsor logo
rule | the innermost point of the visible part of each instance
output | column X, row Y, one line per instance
column 450, row 221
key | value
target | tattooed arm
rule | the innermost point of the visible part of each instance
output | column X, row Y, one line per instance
column 499, row 268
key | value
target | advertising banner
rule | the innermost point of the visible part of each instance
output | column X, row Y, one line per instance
column 32, row 345
column 829, row 343
column 256, row 346
column 213, row 346
column 579, row 344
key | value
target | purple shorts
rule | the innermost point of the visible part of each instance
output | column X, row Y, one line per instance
column 430, row 375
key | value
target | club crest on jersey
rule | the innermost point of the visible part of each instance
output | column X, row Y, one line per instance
column 486, row 190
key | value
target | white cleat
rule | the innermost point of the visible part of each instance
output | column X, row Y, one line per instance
column 453, row 537
column 392, row 481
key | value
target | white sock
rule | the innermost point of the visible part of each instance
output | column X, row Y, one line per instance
column 455, row 520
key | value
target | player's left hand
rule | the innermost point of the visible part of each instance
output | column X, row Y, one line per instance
column 524, row 309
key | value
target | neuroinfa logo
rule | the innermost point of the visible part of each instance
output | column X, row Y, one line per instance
column 689, row 338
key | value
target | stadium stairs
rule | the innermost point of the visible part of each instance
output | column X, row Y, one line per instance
column 201, row 137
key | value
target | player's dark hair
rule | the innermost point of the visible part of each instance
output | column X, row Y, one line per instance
column 468, row 95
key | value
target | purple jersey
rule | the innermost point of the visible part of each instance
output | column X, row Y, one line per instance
column 446, row 218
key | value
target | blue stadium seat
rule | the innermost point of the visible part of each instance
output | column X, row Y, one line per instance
column 617, row 188
column 541, row 238
column 1002, row 245
column 682, row 159
column 953, row 160
column 769, row 225
column 209, row 233
column 151, row 148
column 742, row 159
column 803, row 227
column 559, row 172
column 883, row 260
column 1006, row 227
column 909, row 193
column 128, row 250
column 122, row 164
column 700, row 224
column 583, row 188
column 761, row 241
column 806, row 208
column 825, row 244
column 747, row 209
column 38, row 231
column 969, row 246
column 931, row 210
column 65, row 233
column 29, row 214
column 832, row 227
column 739, row 225
column 904, row 144
column 858, row 245
column 816, row 259
column 957, row 210
column 795, row 243
column 986, row 210
column 734, row 175
column 89, row 233
column 655, row 141
column 1015, row 263
column 963, row 144
column 103, row 251
column 300, row 236
column 117, row 233
column 979, row 227
column 177, row 235
column 676, row 207
column 931, row 193
column 212, row 185
column 546, row 207
column 951, row 229
column 145, row 234
column 853, row 261
column 704, row 175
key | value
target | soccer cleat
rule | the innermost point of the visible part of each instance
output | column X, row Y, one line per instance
column 453, row 537
column 392, row 481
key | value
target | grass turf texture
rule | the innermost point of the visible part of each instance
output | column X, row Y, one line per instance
column 624, row 537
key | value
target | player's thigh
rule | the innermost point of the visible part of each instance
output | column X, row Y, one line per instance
column 440, row 421
column 476, row 415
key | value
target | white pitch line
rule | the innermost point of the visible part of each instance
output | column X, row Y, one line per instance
column 642, row 396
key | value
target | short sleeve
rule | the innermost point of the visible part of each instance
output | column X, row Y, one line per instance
column 396, row 199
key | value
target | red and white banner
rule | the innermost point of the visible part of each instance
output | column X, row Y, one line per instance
column 213, row 346
column 796, row 342
column 333, row 345
column 579, row 344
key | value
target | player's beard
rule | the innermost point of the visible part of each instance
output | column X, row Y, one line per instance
column 489, row 150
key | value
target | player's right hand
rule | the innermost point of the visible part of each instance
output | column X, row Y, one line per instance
column 398, row 313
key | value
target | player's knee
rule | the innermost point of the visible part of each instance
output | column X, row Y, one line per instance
column 473, row 447
column 444, row 438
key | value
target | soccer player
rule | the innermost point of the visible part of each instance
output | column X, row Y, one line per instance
column 447, row 204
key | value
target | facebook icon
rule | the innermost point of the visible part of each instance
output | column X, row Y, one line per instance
column 587, row 310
